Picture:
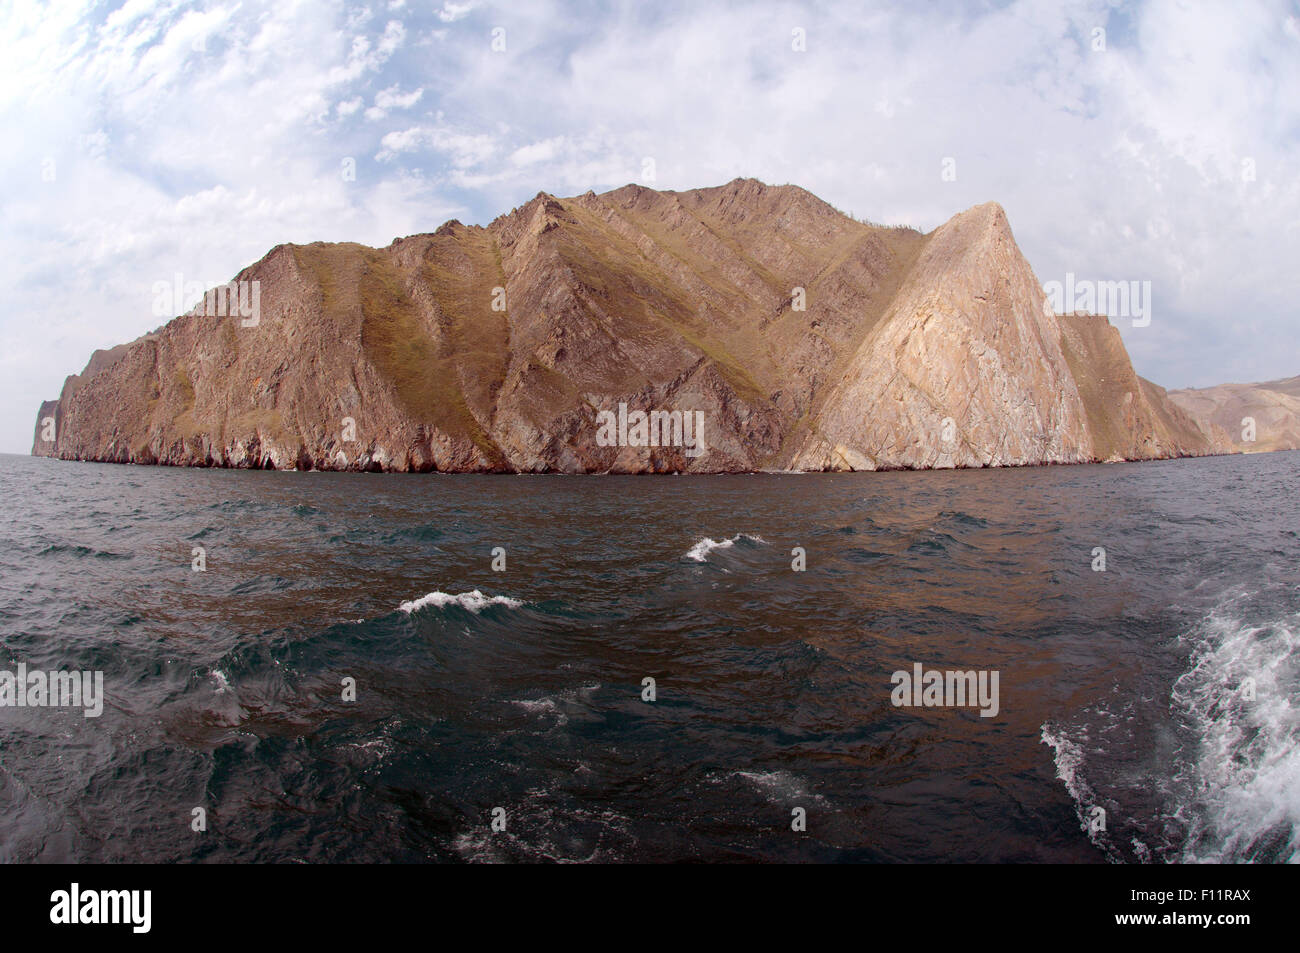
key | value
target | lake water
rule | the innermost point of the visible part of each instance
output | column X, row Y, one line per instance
column 1161, row 691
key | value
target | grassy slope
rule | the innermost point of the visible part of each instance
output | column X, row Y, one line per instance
column 425, row 374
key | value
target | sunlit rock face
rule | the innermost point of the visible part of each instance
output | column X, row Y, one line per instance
column 797, row 337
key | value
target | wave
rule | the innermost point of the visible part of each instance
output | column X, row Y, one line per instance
column 59, row 549
column 1242, row 780
column 548, row 707
column 424, row 533
column 540, row 832
column 700, row 551
column 1225, row 788
column 575, row 699
column 781, row 787
column 1069, row 754
column 474, row 601
column 964, row 519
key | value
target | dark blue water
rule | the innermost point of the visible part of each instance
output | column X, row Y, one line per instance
column 1120, row 690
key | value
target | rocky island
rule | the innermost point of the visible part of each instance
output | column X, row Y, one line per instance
column 797, row 337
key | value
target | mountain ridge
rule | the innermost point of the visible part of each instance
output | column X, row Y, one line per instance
column 808, row 341
column 1252, row 418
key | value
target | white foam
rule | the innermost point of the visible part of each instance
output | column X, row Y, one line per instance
column 474, row 601
column 1241, row 784
column 1069, row 757
column 542, row 706
column 546, row 705
column 1231, row 787
column 535, row 704
column 700, row 551
column 780, row 786
column 537, row 831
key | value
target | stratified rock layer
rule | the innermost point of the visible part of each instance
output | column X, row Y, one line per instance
column 806, row 339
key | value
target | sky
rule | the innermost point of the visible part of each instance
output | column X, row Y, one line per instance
column 1153, row 142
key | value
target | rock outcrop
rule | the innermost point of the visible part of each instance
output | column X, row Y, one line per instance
column 1268, row 412
column 1129, row 418
column 798, row 337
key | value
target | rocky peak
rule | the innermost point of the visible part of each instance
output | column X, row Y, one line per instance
column 806, row 339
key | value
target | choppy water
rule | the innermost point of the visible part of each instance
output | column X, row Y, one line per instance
column 1123, row 689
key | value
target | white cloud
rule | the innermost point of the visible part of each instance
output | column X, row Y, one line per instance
column 194, row 138
column 542, row 151
column 367, row 56
column 394, row 34
column 462, row 150
column 451, row 12
column 389, row 99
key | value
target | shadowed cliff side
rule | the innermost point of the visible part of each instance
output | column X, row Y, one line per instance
column 1129, row 417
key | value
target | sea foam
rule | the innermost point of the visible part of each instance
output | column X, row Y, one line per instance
column 1231, row 786
column 474, row 601
column 700, row 551
column 1241, row 784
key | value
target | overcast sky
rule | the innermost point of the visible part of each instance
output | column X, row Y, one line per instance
column 1153, row 142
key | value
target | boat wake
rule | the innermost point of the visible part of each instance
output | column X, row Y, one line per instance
column 1218, row 780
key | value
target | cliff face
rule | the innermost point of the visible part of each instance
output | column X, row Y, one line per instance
column 798, row 338
column 1129, row 417
column 1273, row 406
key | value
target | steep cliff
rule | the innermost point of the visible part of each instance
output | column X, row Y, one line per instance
column 1129, row 417
column 799, row 338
